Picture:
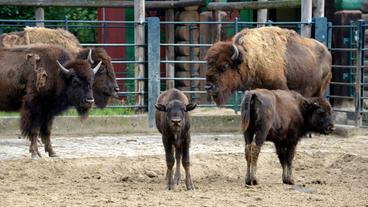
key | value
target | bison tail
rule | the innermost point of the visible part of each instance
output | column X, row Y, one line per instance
column 245, row 110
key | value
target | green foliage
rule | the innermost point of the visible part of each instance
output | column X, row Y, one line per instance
column 85, row 32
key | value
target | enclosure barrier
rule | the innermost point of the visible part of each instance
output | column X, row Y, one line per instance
column 154, row 60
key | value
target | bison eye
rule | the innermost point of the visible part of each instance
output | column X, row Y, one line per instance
column 102, row 69
column 224, row 67
column 76, row 82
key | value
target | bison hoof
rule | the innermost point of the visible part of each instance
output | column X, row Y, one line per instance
column 170, row 187
column 189, row 184
column 190, row 188
column 289, row 181
column 53, row 154
column 251, row 182
column 177, row 179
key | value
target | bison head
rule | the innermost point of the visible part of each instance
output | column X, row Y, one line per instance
column 223, row 74
column 79, row 79
column 175, row 113
column 319, row 116
column 104, row 85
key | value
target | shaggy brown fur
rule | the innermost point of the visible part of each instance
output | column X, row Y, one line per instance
column 282, row 117
column 32, row 35
column 173, row 122
column 39, row 102
column 105, row 85
column 270, row 57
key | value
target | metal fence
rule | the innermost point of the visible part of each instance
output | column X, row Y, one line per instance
column 353, row 70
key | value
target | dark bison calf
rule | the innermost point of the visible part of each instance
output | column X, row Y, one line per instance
column 173, row 122
column 281, row 117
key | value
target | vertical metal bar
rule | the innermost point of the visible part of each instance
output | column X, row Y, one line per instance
column 321, row 34
column 361, row 62
column 153, row 46
column 66, row 23
column 358, row 74
column 320, row 31
column 236, row 27
column 191, row 66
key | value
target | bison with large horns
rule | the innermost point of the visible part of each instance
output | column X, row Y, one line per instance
column 104, row 86
column 41, row 81
column 267, row 57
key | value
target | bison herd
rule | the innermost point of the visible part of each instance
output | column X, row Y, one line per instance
column 284, row 76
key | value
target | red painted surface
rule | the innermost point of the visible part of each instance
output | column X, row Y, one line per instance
column 113, row 33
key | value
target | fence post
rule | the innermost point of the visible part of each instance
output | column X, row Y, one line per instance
column 153, row 45
column 321, row 29
column 358, row 72
column 321, row 34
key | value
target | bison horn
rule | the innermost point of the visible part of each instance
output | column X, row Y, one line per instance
column 63, row 69
column 97, row 67
column 236, row 52
column 90, row 56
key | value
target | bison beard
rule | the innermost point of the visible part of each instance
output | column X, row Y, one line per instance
column 267, row 57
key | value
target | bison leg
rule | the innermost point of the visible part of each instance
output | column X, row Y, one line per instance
column 30, row 127
column 178, row 152
column 253, row 149
column 248, row 138
column 33, row 148
column 169, row 153
column 186, row 165
column 289, row 163
column 254, row 153
column 45, row 133
column 283, row 152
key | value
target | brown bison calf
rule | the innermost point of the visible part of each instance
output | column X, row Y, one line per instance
column 173, row 122
column 281, row 117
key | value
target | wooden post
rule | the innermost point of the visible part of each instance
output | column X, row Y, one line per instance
column 217, row 18
column 170, row 52
column 319, row 8
column 306, row 9
column 139, row 18
column 261, row 15
column 40, row 15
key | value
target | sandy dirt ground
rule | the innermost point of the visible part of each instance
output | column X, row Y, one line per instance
column 129, row 171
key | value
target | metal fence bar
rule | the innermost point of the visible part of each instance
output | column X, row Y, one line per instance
column 153, row 67
column 358, row 74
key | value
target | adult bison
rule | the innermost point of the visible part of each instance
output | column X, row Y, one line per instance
column 104, row 86
column 267, row 57
column 282, row 117
column 41, row 81
column 173, row 122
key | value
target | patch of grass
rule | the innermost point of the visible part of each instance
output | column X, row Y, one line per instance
column 102, row 112
column 4, row 113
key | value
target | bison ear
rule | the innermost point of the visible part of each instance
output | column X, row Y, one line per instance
column 313, row 104
column 190, row 106
column 236, row 57
column 160, row 107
